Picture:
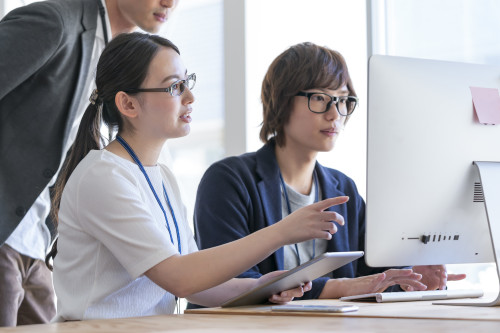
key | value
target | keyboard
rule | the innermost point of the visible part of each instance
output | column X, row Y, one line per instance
column 426, row 295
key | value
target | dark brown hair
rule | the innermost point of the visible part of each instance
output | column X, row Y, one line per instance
column 301, row 67
column 122, row 66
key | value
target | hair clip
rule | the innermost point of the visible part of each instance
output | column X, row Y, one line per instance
column 93, row 97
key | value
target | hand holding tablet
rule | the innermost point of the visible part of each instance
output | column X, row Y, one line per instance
column 293, row 278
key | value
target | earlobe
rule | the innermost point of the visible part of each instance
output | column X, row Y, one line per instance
column 126, row 104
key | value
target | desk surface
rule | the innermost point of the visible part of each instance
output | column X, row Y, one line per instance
column 395, row 310
column 405, row 317
column 257, row 323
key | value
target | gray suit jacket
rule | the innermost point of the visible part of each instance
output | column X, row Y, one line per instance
column 45, row 51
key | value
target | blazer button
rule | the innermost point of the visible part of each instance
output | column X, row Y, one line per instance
column 20, row 211
column 48, row 173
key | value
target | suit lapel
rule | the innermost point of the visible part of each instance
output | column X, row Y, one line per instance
column 329, row 185
column 329, row 189
column 269, row 190
column 89, row 25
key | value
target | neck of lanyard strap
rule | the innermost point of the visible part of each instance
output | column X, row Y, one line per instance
column 289, row 209
column 139, row 164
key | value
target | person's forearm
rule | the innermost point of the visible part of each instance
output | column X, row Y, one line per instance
column 192, row 273
column 333, row 289
column 189, row 274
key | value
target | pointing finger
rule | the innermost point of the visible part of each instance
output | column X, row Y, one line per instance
column 324, row 204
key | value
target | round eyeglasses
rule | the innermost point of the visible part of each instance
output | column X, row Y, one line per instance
column 175, row 89
column 321, row 102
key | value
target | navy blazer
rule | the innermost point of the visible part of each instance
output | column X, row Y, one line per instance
column 45, row 52
column 240, row 195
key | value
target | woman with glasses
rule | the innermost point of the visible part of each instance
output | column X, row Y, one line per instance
column 308, row 97
column 124, row 246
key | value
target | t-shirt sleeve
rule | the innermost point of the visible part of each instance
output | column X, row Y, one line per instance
column 110, row 207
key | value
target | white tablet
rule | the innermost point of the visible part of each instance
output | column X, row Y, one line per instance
column 314, row 308
column 293, row 278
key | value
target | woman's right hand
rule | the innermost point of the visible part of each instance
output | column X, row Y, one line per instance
column 311, row 221
column 284, row 296
column 375, row 283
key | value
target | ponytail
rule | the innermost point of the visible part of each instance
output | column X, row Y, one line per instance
column 88, row 138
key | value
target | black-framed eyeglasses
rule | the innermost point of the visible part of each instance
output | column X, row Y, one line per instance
column 319, row 102
column 175, row 89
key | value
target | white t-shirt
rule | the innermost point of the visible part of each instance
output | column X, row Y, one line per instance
column 111, row 231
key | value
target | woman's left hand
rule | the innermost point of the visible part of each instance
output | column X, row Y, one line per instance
column 286, row 295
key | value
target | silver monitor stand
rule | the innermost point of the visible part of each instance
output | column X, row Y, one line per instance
column 489, row 175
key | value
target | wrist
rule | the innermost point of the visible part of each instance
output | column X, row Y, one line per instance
column 334, row 288
column 277, row 236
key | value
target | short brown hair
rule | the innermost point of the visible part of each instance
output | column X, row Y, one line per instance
column 301, row 67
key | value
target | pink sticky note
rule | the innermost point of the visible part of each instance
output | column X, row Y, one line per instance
column 486, row 103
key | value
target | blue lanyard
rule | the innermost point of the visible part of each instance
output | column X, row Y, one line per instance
column 139, row 164
column 316, row 199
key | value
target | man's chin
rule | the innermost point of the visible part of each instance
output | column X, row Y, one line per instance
column 152, row 29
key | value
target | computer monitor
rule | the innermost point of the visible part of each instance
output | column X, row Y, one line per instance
column 424, row 195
